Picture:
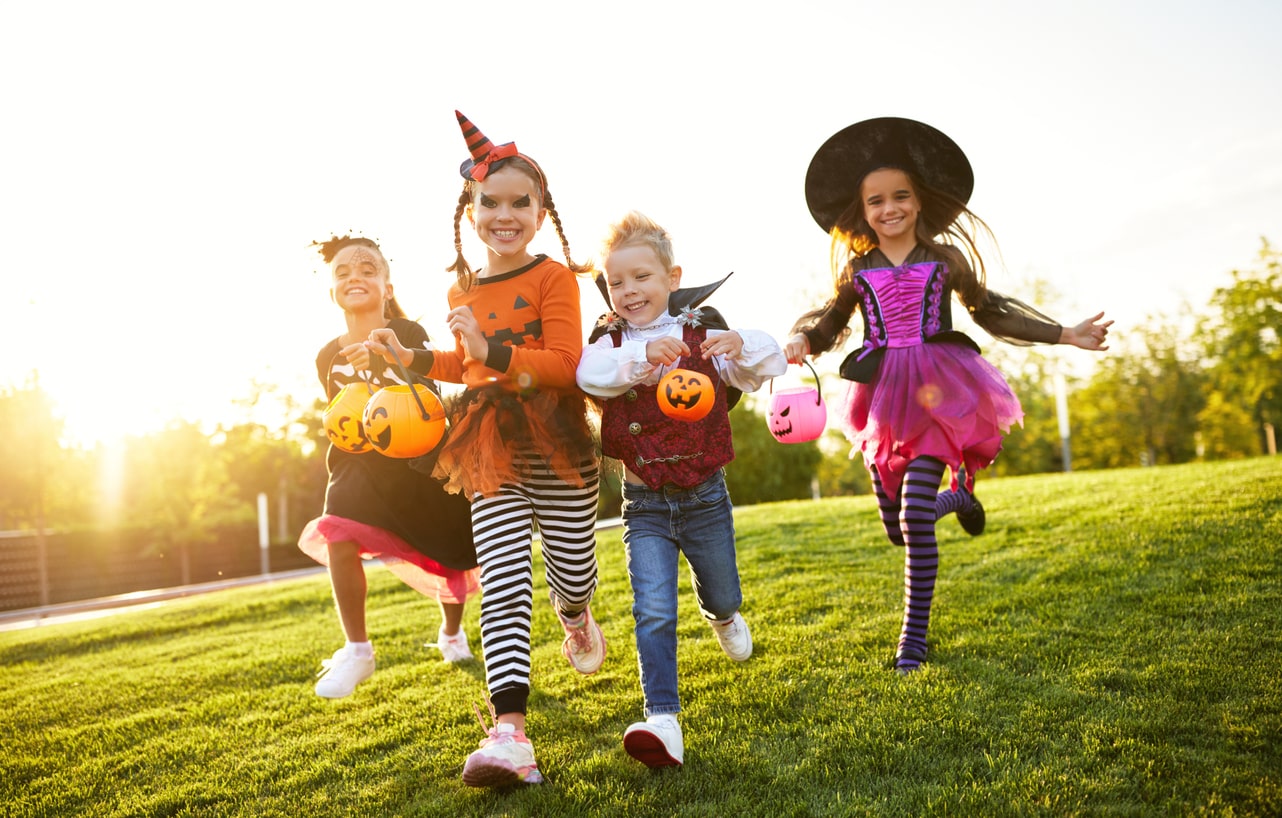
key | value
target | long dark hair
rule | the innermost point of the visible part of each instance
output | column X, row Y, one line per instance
column 945, row 226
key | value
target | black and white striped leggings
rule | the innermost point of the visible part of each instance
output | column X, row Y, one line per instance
column 502, row 527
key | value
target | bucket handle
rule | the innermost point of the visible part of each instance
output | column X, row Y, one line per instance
column 819, row 395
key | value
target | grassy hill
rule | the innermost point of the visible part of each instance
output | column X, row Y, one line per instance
column 1110, row 646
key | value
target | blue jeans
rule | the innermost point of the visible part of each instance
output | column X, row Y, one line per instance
column 657, row 526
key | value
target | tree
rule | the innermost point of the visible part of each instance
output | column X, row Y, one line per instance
column 178, row 492
column 278, row 450
column 839, row 473
column 31, row 432
column 765, row 469
column 1034, row 446
column 1242, row 348
column 1142, row 404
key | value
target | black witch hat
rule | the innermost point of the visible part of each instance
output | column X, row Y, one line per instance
column 841, row 163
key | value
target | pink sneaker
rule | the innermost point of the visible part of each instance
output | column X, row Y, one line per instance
column 505, row 758
column 584, row 643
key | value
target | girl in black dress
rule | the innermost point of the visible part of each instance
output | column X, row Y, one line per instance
column 378, row 506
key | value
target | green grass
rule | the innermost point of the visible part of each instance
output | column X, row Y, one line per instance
column 1110, row 646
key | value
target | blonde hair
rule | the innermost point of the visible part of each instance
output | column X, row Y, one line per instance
column 635, row 229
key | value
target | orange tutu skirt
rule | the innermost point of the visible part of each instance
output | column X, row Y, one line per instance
column 491, row 426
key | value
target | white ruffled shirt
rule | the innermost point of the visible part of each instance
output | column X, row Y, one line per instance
column 607, row 371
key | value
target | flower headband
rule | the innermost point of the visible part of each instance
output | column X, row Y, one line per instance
column 485, row 154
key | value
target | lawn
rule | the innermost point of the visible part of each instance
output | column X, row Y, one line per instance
column 1109, row 646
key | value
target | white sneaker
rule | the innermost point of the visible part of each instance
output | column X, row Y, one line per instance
column 734, row 637
column 506, row 757
column 656, row 742
column 453, row 648
column 584, row 643
column 342, row 673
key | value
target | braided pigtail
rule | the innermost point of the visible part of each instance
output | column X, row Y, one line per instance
column 460, row 267
column 560, row 232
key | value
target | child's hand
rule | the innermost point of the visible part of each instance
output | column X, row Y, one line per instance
column 797, row 348
column 727, row 344
column 465, row 328
column 666, row 350
column 357, row 355
column 1090, row 334
column 384, row 342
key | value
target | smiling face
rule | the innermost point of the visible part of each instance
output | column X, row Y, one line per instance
column 506, row 211
column 638, row 283
column 360, row 280
column 890, row 204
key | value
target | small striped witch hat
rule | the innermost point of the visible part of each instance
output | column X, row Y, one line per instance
column 484, row 153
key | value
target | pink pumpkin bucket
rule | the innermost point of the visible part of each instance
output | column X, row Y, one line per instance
column 797, row 415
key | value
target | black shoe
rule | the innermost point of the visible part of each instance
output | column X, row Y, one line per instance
column 972, row 520
column 912, row 654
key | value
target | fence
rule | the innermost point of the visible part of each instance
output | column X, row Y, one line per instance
column 91, row 564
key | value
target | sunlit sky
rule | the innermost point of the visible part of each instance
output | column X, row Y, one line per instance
column 164, row 168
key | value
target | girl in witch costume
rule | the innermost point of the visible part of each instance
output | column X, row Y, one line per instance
column 893, row 192
column 674, row 490
column 520, row 446
column 375, row 505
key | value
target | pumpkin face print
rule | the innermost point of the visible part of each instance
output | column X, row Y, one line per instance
column 796, row 415
column 399, row 424
column 343, row 418
column 687, row 395
column 521, row 326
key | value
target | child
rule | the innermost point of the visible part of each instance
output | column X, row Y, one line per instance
column 674, row 491
column 377, row 505
column 520, row 447
column 892, row 192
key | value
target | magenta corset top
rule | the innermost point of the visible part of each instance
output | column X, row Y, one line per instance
column 903, row 306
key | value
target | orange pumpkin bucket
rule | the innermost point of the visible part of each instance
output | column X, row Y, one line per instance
column 344, row 418
column 684, row 394
column 404, row 421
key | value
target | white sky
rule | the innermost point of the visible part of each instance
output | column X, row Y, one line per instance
column 163, row 169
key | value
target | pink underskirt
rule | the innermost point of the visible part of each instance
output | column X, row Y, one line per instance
column 932, row 400
column 415, row 569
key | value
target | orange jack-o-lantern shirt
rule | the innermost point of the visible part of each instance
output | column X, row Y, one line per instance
column 531, row 318
column 660, row 449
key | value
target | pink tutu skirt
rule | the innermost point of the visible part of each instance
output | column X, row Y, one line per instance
column 420, row 572
column 938, row 400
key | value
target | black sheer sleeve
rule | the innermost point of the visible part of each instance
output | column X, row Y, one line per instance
column 1011, row 320
column 828, row 325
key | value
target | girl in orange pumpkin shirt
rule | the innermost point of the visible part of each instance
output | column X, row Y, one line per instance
column 520, row 446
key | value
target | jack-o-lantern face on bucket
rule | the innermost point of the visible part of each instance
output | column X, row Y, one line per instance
column 399, row 426
column 687, row 395
column 343, row 418
column 796, row 415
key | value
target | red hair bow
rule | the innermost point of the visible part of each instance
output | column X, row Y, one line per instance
column 481, row 169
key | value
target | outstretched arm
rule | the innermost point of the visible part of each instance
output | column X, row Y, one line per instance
column 1089, row 334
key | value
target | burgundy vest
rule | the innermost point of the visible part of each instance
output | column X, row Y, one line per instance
column 660, row 449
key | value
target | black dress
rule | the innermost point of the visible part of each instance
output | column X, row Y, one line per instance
column 386, row 493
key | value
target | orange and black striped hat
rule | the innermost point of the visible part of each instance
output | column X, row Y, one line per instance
column 485, row 155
